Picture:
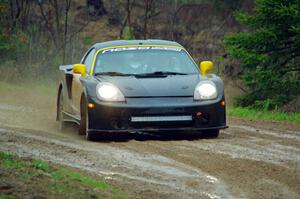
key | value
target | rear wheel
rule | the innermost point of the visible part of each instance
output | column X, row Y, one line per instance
column 214, row 133
column 60, row 114
column 84, row 123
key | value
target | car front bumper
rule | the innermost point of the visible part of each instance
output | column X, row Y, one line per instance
column 156, row 114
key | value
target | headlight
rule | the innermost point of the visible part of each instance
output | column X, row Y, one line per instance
column 205, row 90
column 109, row 92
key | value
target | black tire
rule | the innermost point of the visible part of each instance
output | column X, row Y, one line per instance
column 60, row 114
column 214, row 133
column 84, row 123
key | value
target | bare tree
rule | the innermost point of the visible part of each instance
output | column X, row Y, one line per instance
column 146, row 16
column 19, row 13
column 47, row 20
column 176, row 11
column 67, row 8
column 150, row 7
column 61, row 33
column 127, row 20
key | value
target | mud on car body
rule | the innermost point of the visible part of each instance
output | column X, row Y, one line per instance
column 140, row 85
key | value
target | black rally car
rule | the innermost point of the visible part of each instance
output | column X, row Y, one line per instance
column 140, row 85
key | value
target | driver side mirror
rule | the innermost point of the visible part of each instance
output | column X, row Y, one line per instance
column 79, row 69
column 205, row 66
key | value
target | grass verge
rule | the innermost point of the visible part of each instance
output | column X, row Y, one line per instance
column 29, row 87
column 30, row 178
column 263, row 114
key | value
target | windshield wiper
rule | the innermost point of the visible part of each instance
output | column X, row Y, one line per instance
column 113, row 74
column 160, row 73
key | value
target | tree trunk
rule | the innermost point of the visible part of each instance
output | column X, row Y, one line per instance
column 127, row 20
column 54, row 4
column 128, row 16
column 68, row 4
column 146, row 18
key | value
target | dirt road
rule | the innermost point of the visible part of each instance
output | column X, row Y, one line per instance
column 251, row 159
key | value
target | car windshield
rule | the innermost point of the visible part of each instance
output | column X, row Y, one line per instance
column 144, row 60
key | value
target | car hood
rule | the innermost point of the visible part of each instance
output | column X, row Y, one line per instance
column 169, row 86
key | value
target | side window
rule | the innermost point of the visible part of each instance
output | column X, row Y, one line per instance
column 88, row 60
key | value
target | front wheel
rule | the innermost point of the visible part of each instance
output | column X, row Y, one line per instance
column 213, row 133
column 84, row 123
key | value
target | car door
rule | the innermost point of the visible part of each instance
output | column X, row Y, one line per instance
column 77, row 88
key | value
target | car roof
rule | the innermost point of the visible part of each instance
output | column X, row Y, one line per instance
column 135, row 42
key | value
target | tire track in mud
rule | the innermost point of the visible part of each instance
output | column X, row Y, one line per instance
column 181, row 166
column 150, row 169
column 241, row 174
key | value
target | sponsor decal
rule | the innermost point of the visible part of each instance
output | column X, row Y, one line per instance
column 141, row 48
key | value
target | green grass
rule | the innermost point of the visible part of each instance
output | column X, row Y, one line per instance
column 263, row 114
column 40, row 177
column 40, row 165
column 5, row 196
column 7, row 162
